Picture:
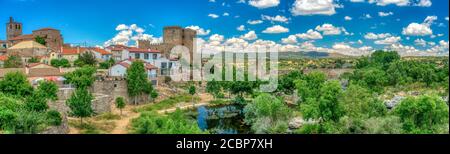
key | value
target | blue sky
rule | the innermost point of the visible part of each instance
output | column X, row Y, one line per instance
column 95, row 21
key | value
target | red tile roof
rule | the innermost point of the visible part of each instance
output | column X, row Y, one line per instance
column 117, row 47
column 73, row 50
column 3, row 57
column 102, row 51
column 148, row 66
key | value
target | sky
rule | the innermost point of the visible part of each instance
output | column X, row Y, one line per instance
column 416, row 27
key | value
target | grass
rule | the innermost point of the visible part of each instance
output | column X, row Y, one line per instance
column 220, row 102
column 92, row 127
column 108, row 116
column 168, row 103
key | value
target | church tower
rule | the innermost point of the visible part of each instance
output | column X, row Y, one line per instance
column 13, row 29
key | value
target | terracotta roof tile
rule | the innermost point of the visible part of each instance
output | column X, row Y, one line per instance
column 44, row 72
column 102, row 51
column 3, row 57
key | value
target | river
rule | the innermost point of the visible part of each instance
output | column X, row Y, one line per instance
column 227, row 119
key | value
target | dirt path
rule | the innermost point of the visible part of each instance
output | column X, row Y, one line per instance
column 123, row 123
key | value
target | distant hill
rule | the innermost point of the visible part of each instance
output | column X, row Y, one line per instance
column 311, row 54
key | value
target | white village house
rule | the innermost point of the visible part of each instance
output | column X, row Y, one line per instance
column 120, row 70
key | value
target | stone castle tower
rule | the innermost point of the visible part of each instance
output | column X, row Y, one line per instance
column 172, row 36
column 13, row 29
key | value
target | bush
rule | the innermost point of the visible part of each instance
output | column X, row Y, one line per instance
column 174, row 123
column 54, row 118
column 267, row 114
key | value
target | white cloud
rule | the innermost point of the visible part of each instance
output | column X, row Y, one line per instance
column 216, row 37
column 262, row 4
column 200, row 31
column 127, row 33
column 236, row 42
column 424, row 3
column 415, row 29
column 251, row 35
column 329, row 29
column 429, row 20
column 292, row 39
column 310, row 35
column 388, row 40
column 226, row 14
column 420, row 42
column 277, row 18
column 214, row 16
column 241, row 28
column 276, row 29
column 313, row 7
column 121, row 27
column 373, row 36
column 367, row 16
column 348, row 18
column 255, row 22
column 385, row 14
column 389, row 2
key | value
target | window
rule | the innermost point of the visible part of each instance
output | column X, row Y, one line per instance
column 146, row 56
column 155, row 56
column 137, row 55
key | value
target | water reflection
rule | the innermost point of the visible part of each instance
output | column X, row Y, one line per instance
column 222, row 120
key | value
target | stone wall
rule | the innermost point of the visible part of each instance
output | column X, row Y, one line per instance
column 113, row 88
column 61, row 129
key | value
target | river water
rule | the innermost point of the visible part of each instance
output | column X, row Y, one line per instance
column 227, row 119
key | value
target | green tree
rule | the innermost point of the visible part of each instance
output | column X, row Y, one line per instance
column 384, row 58
column 173, row 123
column 136, row 78
column 54, row 118
column 48, row 89
column 371, row 77
column 34, row 60
column 192, row 92
column 13, row 62
column 82, row 77
column 120, row 104
column 286, row 83
column 423, row 115
column 86, row 58
column 310, row 85
column 360, row 102
column 40, row 40
column 326, row 108
column 80, row 104
column 60, row 63
column 107, row 64
column 16, row 83
column 36, row 102
column 154, row 95
column 267, row 114
column 213, row 87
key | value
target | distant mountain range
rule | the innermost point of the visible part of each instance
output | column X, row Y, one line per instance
column 311, row 54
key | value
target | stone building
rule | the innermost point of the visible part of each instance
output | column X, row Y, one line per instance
column 172, row 36
column 27, row 50
column 14, row 35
